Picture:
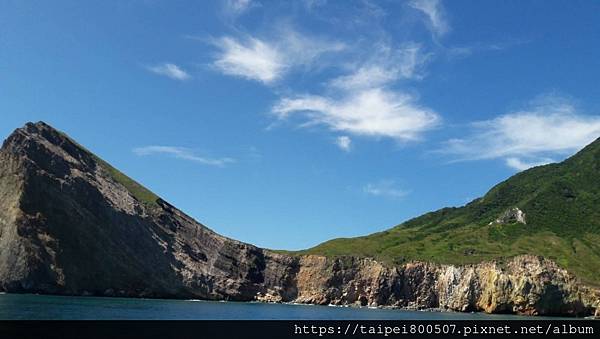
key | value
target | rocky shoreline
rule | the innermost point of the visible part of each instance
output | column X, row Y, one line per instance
column 528, row 285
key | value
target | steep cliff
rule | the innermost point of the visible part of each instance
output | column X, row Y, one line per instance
column 72, row 224
column 524, row 285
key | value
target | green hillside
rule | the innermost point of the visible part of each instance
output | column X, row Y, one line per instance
column 561, row 203
column 141, row 193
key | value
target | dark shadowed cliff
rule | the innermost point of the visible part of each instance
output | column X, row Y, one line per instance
column 72, row 224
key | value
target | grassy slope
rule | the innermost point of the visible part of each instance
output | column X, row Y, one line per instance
column 140, row 192
column 562, row 207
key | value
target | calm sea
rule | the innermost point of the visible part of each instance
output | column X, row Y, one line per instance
column 28, row 306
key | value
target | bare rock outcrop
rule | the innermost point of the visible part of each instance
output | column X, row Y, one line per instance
column 512, row 215
column 523, row 285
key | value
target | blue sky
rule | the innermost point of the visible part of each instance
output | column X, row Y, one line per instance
column 285, row 124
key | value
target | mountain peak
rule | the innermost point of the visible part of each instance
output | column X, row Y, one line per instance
column 37, row 132
column 40, row 129
column 48, row 148
column 55, row 152
column 40, row 125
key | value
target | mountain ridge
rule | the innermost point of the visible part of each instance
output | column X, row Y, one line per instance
column 559, row 203
column 72, row 224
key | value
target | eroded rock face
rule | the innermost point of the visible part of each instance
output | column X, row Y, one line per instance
column 67, row 226
column 523, row 285
column 512, row 215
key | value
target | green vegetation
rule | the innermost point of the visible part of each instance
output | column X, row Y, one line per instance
column 562, row 207
column 141, row 193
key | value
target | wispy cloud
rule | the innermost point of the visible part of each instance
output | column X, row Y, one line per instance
column 372, row 112
column 267, row 60
column 251, row 58
column 181, row 153
column 363, row 91
column 475, row 48
column 311, row 4
column 521, row 165
column 361, row 102
column 344, row 143
column 548, row 128
column 435, row 14
column 385, row 188
column 384, row 65
column 170, row 70
column 237, row 7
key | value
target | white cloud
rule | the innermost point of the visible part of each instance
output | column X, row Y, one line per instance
column 551, row 127
column 170, row 70
column 385, row 188
column 266, row 60
column 436, row 16
column 367, row 76
column 181, row 153
column 344, row 143
column 303, row 50
column 384, row 67
column 251, row 59
column 361, row 103
column 372, row 112
column 521, row 165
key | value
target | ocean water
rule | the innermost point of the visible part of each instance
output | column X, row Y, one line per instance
column 44, row 307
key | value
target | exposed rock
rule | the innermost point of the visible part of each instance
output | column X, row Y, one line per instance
column 512, row 215
column 525, row 285
column 69, row 226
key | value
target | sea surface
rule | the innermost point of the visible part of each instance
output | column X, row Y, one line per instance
column 44, row 307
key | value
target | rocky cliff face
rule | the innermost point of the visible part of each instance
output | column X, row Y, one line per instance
column 71, row 224
column 524, row 285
